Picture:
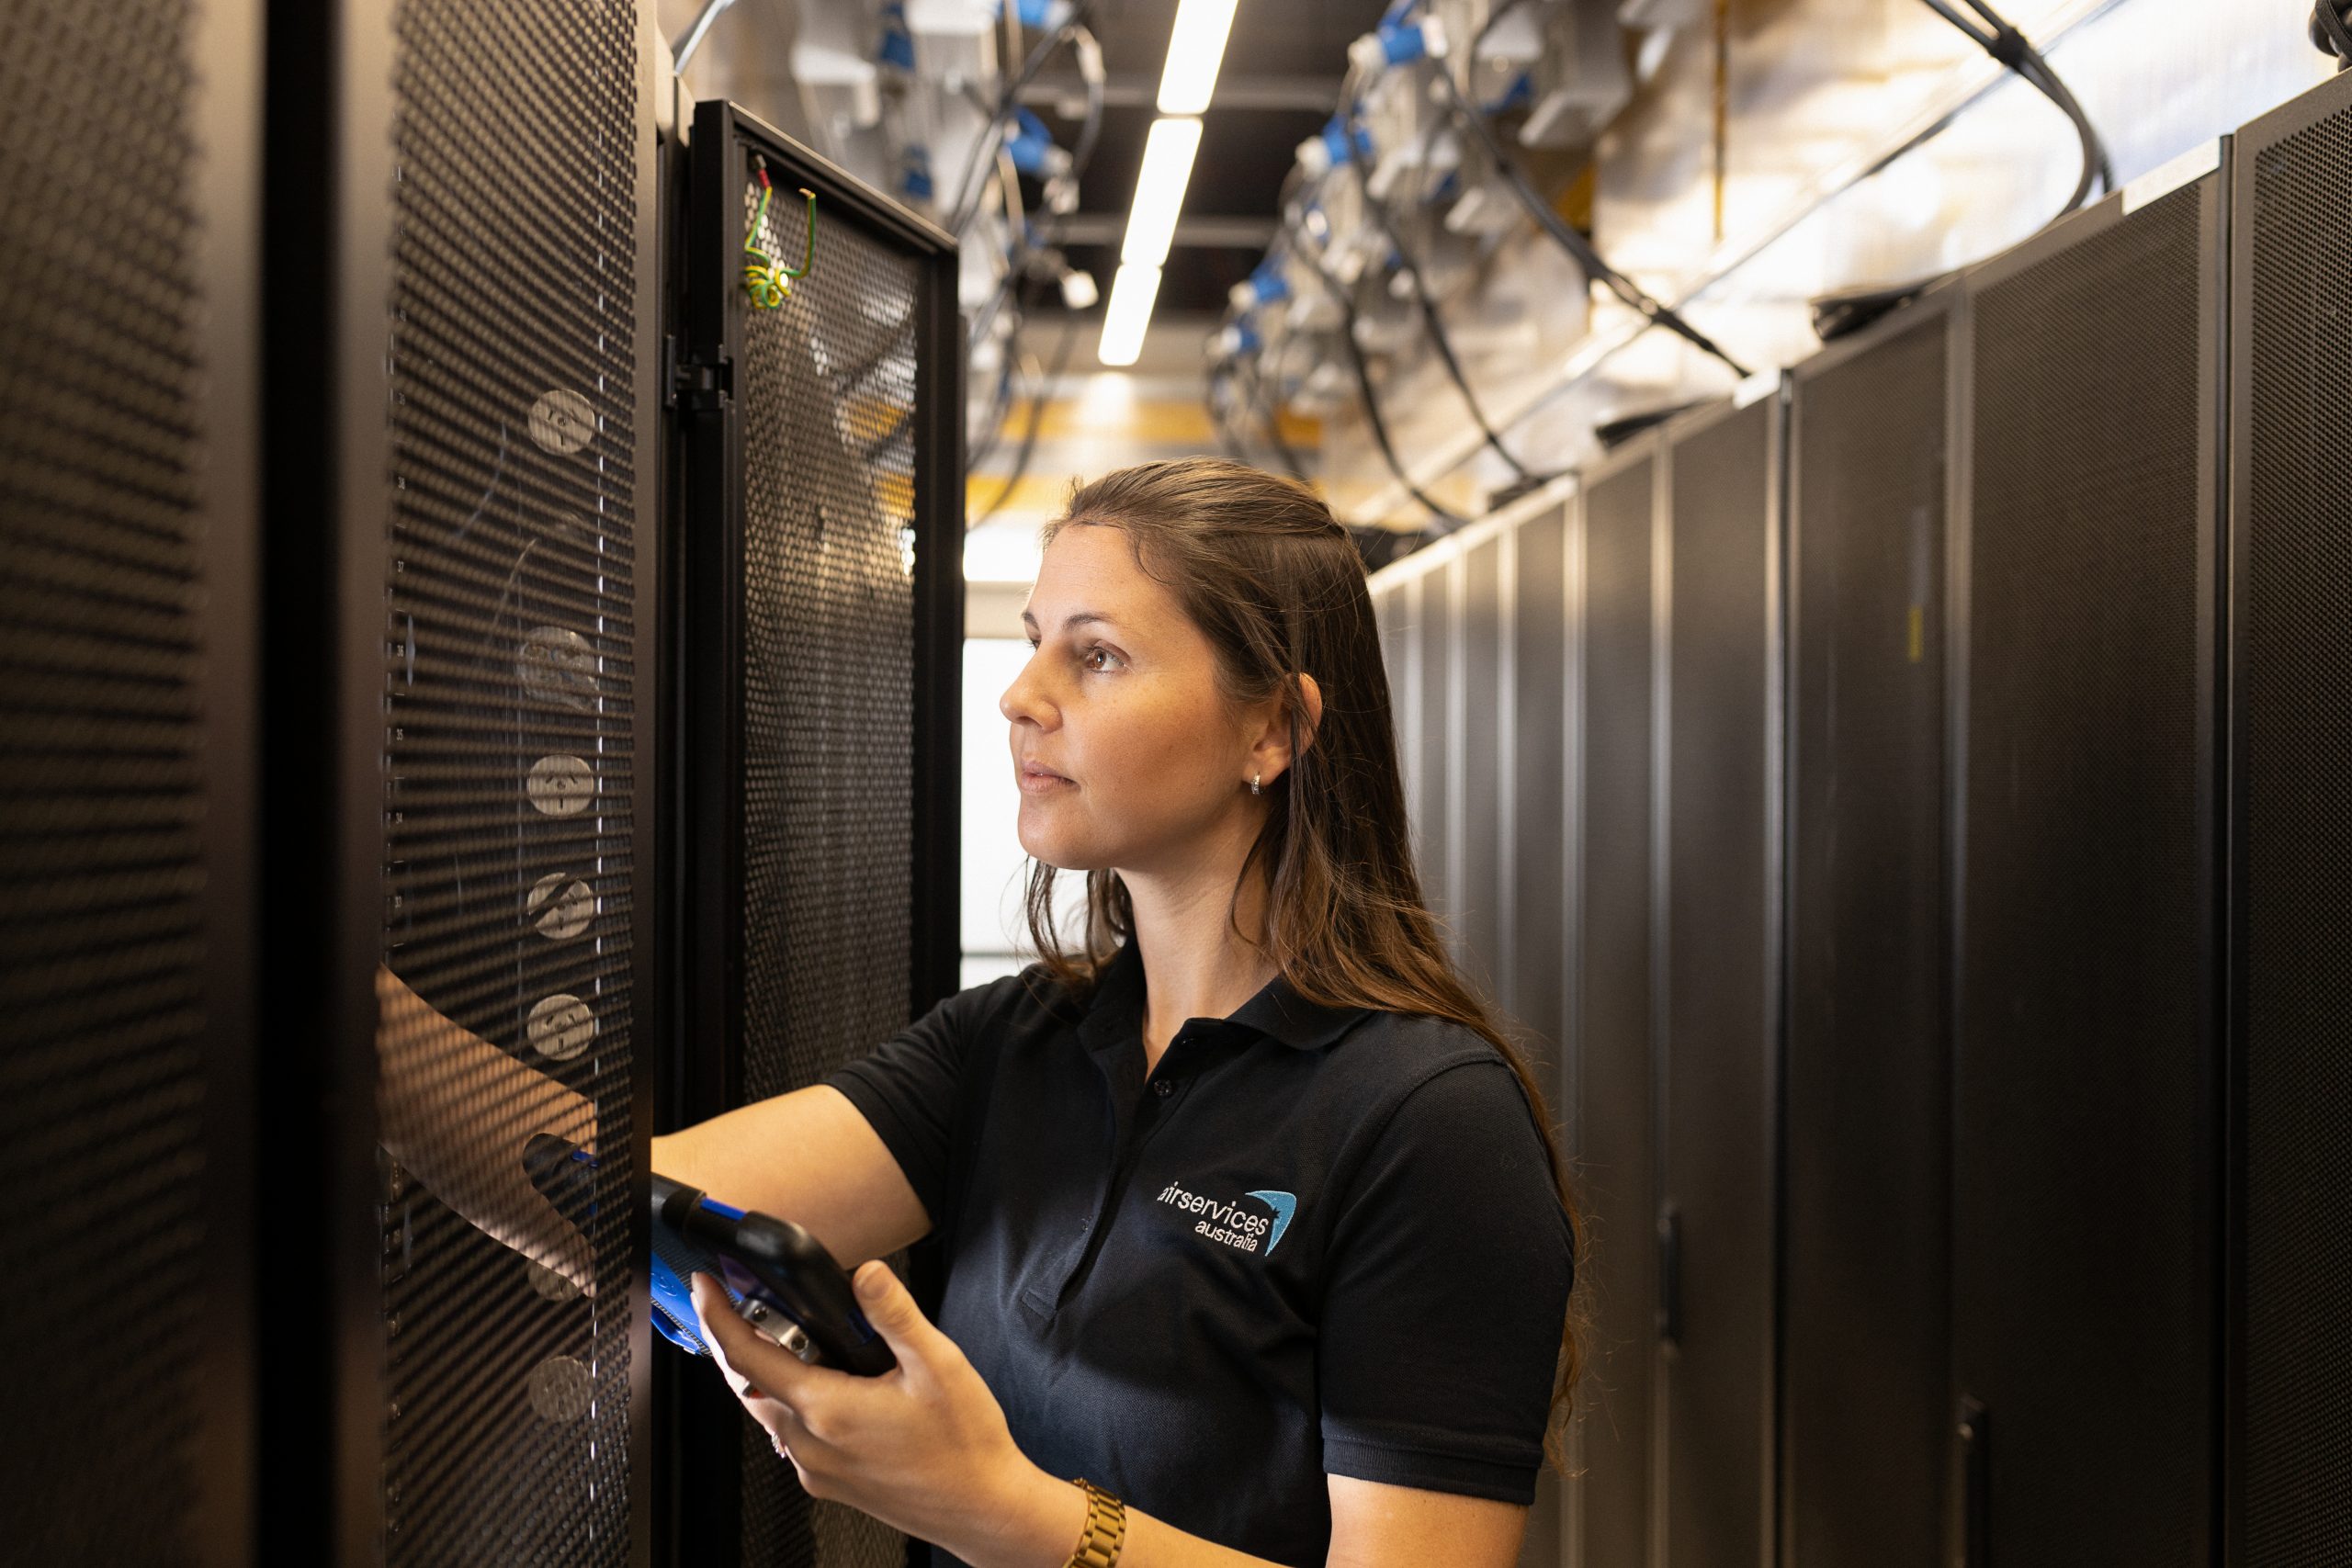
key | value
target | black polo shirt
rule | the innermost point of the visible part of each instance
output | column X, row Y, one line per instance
column 1312, row 1241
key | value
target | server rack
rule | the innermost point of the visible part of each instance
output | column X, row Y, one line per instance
column 129, row 559
column 2085, row 576
column 1864, row 1346
column 820, row 614
column 1613, row 872
column 1717, row 1028
column 519, row 572
column 1502, row 736
column 1530, row 977
column 2289, row 1490
column 458, row 530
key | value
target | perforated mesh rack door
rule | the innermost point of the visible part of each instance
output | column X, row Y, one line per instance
column 1615, row 1146
column 516, row 794
column 2294, row 999
column 1719, row 1036
column 823, row 635
column 2084, row 1048
column 1865, row 1334
column 125, row 476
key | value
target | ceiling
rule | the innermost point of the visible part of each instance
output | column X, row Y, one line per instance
column 1282, row 66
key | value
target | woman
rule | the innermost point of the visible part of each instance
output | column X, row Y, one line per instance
column 1251, row 1215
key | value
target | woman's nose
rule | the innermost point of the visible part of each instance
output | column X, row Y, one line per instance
column 1023, row 700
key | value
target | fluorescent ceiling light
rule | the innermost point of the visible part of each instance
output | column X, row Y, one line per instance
column 1195, row 50
column 1159, row 190
column 1129, row 313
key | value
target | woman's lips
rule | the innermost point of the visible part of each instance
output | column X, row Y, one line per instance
column 1035, row 780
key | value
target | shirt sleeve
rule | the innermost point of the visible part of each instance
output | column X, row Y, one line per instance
column 909, row 1090
column 1451, row 1269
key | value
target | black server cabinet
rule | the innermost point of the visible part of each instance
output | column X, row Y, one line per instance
column 459, row 515
column 2085, row 958
column 1611, row 977
column 517, row 567
column 821, row 618
column 1531, row 842
column 1718, row 1025
column 128, row 288
column 2291, row 1008
column 1865, row 1345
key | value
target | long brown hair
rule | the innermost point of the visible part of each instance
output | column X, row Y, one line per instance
column 1263, row 568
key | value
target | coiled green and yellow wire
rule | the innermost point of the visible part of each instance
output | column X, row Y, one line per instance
column 768, row 283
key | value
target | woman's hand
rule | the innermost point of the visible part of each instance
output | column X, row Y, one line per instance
column 923, row 1448
column 459, row 1113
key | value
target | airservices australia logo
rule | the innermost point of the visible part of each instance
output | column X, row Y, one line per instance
column 1231, row 1225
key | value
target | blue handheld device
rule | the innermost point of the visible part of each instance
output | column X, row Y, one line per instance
column 780, row 1278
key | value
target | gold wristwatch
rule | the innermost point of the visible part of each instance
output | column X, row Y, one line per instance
column 1105, row 1532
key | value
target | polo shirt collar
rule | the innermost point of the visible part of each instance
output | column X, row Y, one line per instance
column 1277, row 1011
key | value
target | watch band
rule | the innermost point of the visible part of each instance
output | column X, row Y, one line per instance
column 1105, row 1532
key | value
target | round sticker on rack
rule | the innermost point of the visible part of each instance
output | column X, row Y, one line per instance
column 560, row 906
column 561, row 1389
column 559, row 1027
column 562, row 421
column 558, row 666
column 560, row 786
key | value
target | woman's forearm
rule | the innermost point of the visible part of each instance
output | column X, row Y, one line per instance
column 1038, row 1519
column 1040, row 1523
column 458, row 1111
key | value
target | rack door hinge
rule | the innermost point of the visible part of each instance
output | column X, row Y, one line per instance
column 695, row 383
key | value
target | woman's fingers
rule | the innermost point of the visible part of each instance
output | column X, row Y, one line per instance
column 891, row 1309
column 755, row 1368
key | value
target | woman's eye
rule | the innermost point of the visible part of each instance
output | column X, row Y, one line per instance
column 1100, row 659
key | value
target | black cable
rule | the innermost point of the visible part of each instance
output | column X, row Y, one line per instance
column 1000, row 401
column 1262, row 401
column 1081, row 158
column 1219, row 394
column 1632, row 294
column 2006, row 45
column 1081, row 15
column 1363, row 374
column 1439, row 340
column 1849, row 311
column 1036, row 419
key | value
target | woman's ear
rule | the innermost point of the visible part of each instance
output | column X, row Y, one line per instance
column 1310, row 718
column 1272, row 755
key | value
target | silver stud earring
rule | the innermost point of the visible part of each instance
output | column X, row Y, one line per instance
column 1254, row 780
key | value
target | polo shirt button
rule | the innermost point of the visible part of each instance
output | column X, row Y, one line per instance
column 1163, row 1087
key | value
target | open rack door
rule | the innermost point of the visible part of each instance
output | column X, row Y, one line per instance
column 820, row 619
column 516, row 565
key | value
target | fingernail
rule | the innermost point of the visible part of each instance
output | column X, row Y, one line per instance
column 872, row 1281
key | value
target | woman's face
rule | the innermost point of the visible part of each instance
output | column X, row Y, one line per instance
column 1126, row 753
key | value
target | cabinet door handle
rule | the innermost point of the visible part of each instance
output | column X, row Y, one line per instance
column 1972, row 1439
